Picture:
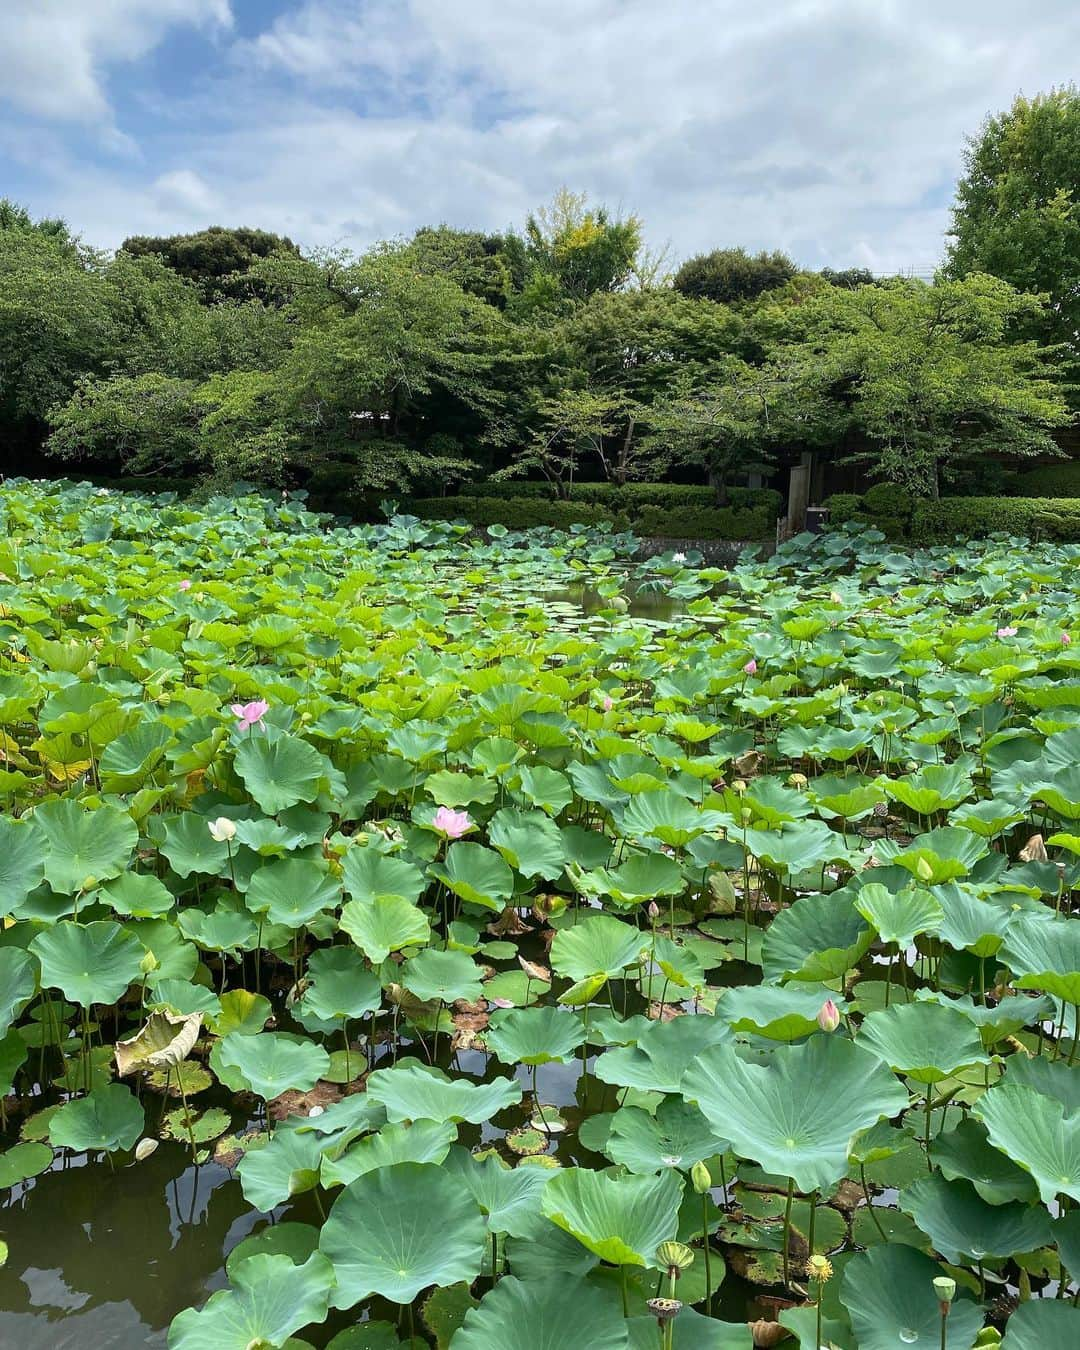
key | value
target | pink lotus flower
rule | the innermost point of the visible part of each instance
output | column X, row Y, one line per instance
column 1065, row 639
column 609, row 703
column 452, row 824
column 185, row 585
column 828, row 1019
column 250, row 714
column 750, row 668
column 501, row 1002
column 1006, row 632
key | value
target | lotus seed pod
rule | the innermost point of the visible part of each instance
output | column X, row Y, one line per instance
column 664, row 1309
column 945, row 1288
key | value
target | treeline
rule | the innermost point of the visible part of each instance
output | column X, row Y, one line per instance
column 558, row 351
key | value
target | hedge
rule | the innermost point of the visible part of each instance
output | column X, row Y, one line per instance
column 929, row 522
column 515, row 513
column 629, row 497
column 1049, row 480
column 718, row 522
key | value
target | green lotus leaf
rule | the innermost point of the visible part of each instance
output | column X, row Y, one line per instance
column 138, row 895
column 1044, row 954
column 272, row 1062
column 963, row 1226
column 1038, row 1133
column 970, row 923
column 642, row 877
column 694, row 1331
column 1043, row 1324
column 796, row 1114
column 341, row 986
column 271, row 1297
column 935, row 787
column 445, row 975
column 88, row 962
column 666, row 816
column 287, row 1166
column 597, row 945
column 183, row 997
column 371, row 875
column 940, row 855
column 888, row 1292
column 533, row 1315
column 801, row 845
column 547, row 1250
column 533, row 1035
column 84, row 847
column 421, row 1141
column 412, row 1092
column 295, row 1240
column 190, row 847
column 279, row 770
column 127, row 762
column 22, row 861
column 108, row 1118
column 22, row 1162
column 965, row 1151
column 477, row 874
column 662, row 1054
column 927, row 1042
column 818, row 938
column 222, row 930
column 18, row 983
column 381, row 1237
column 529, row 841
column 508, row 1196
column 1053, row 1078
column 388, row 923
column 241, row 1012
column 898, row 916
column 13, row 1052
column 778, row 1012
column 292, row 891
column 678, row 1135
column 622, row 1219
column 994, row 1020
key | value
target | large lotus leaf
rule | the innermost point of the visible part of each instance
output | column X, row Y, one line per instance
column 961, row 1224
column 272, row 1062
column 386, row 924
column 84, row 847
column 940, row 855
column 694, row 1331
column 622, row 1219
column 547, row 1250
column 995, row 1020
column 340, row 986
column 138, row 895
column 477, row 874
column 641, row 877
column 128, row 761
column 22, row 861
column 163, row 1042
column 553, row 1313
column 190, row 847
column 778, row 1012
column 529, row 841
column 287, row 1166
column 662, row 1054
column 371, row 875
column 970, row 923
column 88, row 962
column 271, row 1297
column 295, row 1240
column 898, row 916
column 1043, row 1324
column 412, row 1092
column 797, row 1113
column 445, row 975
column 509, row 1196
column 279, row 770
column 222, row 930
column 108, row 1118
column 18, row 981
column 422, row 1141
column 533, row 1035
column 401, row 1229
column 965, row 1151
column 598, row 944
column 926, row 1041
column 1044, row 954
column 1038, row 1133
column 889, row 1294
column 292, row 891
column 242, row 1012
column 935, row 787
column 797, row 847
column 667, row 816
column 678, row 1135
column 817, row 938
column 1053, row 1078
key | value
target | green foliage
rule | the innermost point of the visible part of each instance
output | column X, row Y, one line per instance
column 216, row 259
column 1049, row 480
column 930, row 522
column 727, row 275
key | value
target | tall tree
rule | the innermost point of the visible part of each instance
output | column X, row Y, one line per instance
column 216, row 259
column 727, row 275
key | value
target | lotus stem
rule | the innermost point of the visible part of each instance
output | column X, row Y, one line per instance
column 625, row 1295
column 929, row 1116
column 811, row 1225
column 1076, row 1036
column 258, row 958
column 787, row 1230
column 870, row 1203
column 708, row 1257
column 187, row 1113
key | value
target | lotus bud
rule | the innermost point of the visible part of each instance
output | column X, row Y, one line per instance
column 836, row 597
column 149, row 963
column 828, row 1018
column 664, row 1309
column 945, row 1288
column 923, row 870
column 222, row 830
column 144, row 1148
column 88, row 883
column 653, row 910
column 746, row 815
column 701, row 1178
column 675, row 1256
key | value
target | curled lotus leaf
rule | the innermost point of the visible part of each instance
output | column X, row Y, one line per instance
column 164, row 1040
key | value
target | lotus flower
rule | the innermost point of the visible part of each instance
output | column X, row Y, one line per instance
column 828, row 1019
column 609, row 703
column 250, row 714
column 222, row 830
column 678, row 557
column 452, row 824
column 750, row 668
column 1006, row 632
column 185, row 585
column 1065, row 639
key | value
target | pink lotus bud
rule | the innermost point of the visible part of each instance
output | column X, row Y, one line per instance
column 609, row 703
column 828, row 1019
column 185, row 585
column 750, row 668
column 1065, row 639
column 653, row 910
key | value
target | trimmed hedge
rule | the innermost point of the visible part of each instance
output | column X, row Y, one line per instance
column 1049, row 480
column 629, row 497
column 515, row 513
column 718, row 522
column 931, row 522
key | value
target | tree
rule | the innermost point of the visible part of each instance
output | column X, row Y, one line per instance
column 931, row 374
column 216, row 259
column 477, row 262
column 727, row 275
column 849, row 278
column 574, row 251
column 1017, row 209
column 571, row 423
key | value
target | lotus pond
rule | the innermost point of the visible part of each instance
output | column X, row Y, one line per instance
column 397, row 952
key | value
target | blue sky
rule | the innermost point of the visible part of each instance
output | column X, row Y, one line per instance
column 830, row 128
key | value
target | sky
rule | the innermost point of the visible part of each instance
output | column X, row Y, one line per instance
column 832, row 129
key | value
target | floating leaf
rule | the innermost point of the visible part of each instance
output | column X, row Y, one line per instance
column 271, row 1298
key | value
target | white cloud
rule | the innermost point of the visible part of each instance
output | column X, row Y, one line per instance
column 54, row 53
column 831, row 128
